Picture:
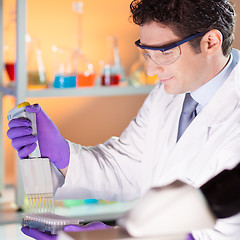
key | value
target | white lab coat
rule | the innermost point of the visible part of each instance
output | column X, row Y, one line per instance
column 147, row 155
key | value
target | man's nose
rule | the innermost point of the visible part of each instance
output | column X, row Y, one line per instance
column 153, row 68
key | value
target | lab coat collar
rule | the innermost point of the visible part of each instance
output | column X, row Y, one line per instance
column 215, row 113
column 204, row 94
column 227, row 98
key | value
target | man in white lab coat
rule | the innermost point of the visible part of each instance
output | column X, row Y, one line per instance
column 188, row 44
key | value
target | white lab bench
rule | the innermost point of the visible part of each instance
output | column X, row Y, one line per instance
column 13, row 231
column 10, row 227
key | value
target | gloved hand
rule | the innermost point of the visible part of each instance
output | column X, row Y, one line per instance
column 51, row 143
column 34, row 233
column 190, row 237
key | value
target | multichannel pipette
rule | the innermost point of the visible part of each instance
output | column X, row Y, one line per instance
column 37, row 182
column 36, row 172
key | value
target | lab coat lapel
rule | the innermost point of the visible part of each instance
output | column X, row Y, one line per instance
column 215, row 114
column 191, row 141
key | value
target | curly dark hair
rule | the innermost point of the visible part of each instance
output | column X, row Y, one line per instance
column 187, row 17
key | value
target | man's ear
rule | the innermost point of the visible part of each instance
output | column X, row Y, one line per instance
column 211, row 42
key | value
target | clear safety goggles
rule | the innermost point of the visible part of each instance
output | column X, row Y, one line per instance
column 164, row 55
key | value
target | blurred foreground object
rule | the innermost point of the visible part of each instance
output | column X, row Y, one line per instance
column 222, row 193
column 176, row 209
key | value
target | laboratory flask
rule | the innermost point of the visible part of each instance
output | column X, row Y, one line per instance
column 83, row 68
column 35, row 66
column 138, row 75
column 112, row 72
column 9, row 46
column 64, row 76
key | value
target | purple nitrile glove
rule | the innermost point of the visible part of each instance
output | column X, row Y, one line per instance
column 190, row 237
column 88, row 227
column 51, row 143
column 34, row 233
column 38, row 235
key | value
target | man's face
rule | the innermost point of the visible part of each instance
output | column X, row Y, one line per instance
column 187, row 73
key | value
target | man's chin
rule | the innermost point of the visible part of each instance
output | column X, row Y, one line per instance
column 170, row 91
column 173, row 91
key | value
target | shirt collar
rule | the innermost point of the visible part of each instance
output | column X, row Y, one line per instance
column 204, row 94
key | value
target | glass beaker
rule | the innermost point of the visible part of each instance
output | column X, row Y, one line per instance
column 138, row 74
column 9, row 47
column 83, row 69
column 112, row 71
column 35, row 67
column 64, row 76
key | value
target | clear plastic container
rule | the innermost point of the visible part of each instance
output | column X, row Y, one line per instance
column 48, row 222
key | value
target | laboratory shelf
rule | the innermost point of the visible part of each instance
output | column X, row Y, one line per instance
column 84, row 91
column 91, row 91
column 7, row 91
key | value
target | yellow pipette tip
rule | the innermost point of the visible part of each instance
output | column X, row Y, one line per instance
column 23, row 104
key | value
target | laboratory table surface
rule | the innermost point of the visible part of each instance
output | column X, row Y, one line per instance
column 12, row 232
column 10, row 219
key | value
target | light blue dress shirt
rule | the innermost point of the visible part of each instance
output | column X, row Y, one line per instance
column 204, row 94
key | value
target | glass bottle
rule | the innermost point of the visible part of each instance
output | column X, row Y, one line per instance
column 82, row 67
column 112, row 72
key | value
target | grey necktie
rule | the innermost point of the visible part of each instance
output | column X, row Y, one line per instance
column 187, row 115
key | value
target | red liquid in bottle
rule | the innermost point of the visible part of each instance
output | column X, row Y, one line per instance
column 110, row 80
column 10, row 70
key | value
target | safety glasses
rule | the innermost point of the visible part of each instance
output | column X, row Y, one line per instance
column 164, row 55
